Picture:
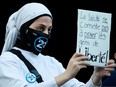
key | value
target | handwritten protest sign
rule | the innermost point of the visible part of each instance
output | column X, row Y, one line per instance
column 93, row 36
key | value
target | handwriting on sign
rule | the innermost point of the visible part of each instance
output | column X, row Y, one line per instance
column 101, row 57
column 93, row 36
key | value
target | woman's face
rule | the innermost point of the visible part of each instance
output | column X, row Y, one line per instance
column 43, row 24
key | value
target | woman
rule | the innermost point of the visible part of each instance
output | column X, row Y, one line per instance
column 28, row 30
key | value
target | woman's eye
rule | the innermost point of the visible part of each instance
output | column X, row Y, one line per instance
column 40, row 29
column 49, row 31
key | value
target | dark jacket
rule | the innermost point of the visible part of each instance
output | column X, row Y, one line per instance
column 110, row 81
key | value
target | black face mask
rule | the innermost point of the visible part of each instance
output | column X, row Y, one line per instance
column 34, row 40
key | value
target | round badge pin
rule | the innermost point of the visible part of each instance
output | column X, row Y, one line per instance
column 30, row 77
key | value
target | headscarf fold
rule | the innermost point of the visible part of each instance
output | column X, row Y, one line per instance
column 27, row 12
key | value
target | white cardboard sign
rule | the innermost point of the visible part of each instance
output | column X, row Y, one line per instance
column 93, row 36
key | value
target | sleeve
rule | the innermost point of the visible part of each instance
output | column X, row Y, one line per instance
column 73, row 82
column 11, row 75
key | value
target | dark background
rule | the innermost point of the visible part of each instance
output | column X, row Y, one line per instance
column 62, row 44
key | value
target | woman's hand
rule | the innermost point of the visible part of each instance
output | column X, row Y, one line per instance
column 77, row 62
column 100, row 72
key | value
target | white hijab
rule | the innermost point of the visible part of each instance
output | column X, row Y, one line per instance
column 17, row 19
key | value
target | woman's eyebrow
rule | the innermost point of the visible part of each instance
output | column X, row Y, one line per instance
column 42, row 25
